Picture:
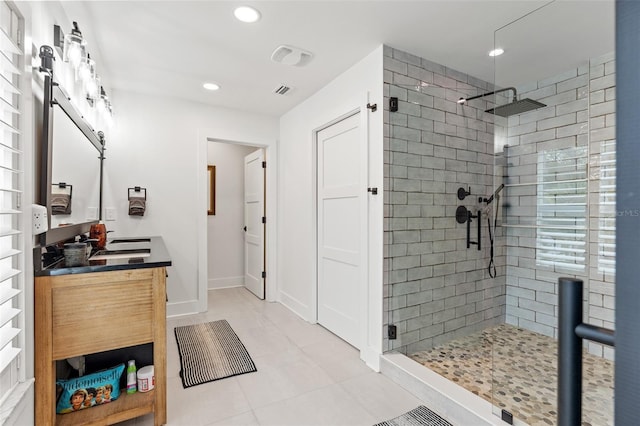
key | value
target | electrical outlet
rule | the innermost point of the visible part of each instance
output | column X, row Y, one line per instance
column 110, row 213
column 39, row 221
column 392, row 332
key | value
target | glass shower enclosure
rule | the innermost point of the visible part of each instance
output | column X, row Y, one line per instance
column 491, row 198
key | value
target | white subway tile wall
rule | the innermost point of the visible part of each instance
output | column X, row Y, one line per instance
column 559, row 168
column 577, row 125
column 435, row 288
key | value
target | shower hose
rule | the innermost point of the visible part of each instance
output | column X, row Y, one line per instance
column 492, row 265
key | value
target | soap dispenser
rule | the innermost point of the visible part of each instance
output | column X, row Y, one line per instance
column 98, row 231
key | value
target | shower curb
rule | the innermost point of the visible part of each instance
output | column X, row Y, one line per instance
column 451, row 401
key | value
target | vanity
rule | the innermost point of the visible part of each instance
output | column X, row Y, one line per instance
column 110, row 308
column 122, row 290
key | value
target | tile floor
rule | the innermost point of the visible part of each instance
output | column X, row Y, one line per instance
column 516, row 369
column 306, row 375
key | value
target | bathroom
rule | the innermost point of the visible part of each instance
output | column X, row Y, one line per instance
column 184, row 146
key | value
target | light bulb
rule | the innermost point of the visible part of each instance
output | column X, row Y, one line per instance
column 86, row 70
column 74, row 54
column 92, row 87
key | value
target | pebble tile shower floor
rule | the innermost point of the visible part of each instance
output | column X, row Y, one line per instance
column 524, row 374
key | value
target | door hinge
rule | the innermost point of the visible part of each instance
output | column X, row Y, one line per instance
column 372, row 107
column 264, row 219
column 264, row 274
column 264, row 164
column 373, row 191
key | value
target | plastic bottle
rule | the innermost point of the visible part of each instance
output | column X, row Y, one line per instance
column 131, row 377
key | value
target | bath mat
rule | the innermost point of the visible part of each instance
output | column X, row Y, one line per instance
column 210, row 351
column 420, row 416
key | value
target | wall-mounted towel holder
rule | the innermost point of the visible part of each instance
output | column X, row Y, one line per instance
column 137, row 190
column 61, row 194
column 137, row 201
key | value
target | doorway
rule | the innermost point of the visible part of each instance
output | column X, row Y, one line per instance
column 235, row 248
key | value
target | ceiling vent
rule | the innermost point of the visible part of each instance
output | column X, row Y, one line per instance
column 282, row 89
column 290, row 55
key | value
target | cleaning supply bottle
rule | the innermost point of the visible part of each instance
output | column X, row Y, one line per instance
column 131, row 377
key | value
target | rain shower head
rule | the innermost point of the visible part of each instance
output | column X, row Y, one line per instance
column 514, row 107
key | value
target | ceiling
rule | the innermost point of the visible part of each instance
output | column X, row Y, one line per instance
column 171, row 48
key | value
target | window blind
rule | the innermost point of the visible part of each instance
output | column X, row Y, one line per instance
column 561, row 241
column 607, row 209
column 11, row 209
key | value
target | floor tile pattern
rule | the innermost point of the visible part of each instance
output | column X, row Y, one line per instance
column 306, row 375
column 515, row 369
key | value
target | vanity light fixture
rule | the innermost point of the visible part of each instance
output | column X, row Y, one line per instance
column 211, row 86
column 86, row 69
column 92, row 87
column 102, row 103
column 496, row 52
column 74, row 46
column 246, row 14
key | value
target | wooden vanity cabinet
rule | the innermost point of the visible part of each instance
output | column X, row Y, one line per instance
column 126, row 308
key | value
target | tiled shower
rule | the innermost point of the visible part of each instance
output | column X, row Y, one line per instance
column 555, row 217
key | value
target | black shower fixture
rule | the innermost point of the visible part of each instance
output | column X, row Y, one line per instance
column 463, row 215
column 512, row 108
column 490, row 199
column 462, row 193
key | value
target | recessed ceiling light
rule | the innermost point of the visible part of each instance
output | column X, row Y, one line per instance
column 246, row 14
column 496, row 52
column 211, row 86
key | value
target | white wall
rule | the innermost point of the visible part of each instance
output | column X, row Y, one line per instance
column 225, row 237
column 350, row 91
column 160, row 144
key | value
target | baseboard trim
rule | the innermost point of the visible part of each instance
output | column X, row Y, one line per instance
column 296, row 306
column 227, row 282
column 176, row 309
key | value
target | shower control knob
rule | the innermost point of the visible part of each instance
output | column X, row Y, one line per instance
column 462, row 214
column 462, row 193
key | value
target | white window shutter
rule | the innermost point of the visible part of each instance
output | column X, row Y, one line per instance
column 12, row 238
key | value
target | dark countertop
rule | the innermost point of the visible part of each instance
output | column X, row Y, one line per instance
column 154, row 255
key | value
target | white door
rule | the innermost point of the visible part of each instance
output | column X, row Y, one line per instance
column 254, row 223
column 341, row 227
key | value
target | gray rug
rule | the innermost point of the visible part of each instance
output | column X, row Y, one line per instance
column 211, row 351
column 420, row 416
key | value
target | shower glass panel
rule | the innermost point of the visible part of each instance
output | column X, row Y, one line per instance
column 557, row 164
column 439, row 297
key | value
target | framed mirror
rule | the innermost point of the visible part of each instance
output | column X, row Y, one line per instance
column 72, row 157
